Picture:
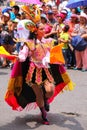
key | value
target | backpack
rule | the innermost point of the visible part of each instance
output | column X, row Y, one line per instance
column 78, row 43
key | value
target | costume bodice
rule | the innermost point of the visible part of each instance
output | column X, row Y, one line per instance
column 40, row 50
column 39, row 53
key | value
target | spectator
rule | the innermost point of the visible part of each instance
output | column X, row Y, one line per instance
column 85, row 10
column 5, row 18
column 57, row 27
column 81, row 56
column 55, row 11
column 64, row 38
column 44, row 21
column 71, row 58
column 7, row 41
column 16, row 9
column 51, row 18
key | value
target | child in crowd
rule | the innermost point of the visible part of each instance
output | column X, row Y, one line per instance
column 64, row 38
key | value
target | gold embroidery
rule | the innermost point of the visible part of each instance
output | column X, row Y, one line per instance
column 38, row 76
column 30, row 73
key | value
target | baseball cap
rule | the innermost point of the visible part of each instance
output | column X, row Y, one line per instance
column 6, row 9
column 50, row 12
column 44, row 16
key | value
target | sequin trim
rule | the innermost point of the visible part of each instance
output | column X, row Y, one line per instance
column 30, row 73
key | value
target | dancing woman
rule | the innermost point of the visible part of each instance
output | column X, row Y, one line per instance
column 33, row 77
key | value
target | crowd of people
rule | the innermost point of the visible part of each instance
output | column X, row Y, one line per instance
column 30, row 32
column 2, row 2
column 59, row 22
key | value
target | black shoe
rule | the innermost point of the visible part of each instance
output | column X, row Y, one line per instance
column 45, row 121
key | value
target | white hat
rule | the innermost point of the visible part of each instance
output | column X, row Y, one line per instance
column 41, row 9
column 83, row 15
column 6, row 14
column 64, row 11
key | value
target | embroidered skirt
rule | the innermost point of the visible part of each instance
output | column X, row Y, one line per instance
column 37, row 75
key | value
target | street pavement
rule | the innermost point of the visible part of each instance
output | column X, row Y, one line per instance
column 67, row 112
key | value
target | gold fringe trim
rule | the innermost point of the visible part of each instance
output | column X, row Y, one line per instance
column 15, row 85
column 66, row 78
column 38, row 79
column 70, row 86
column 8, row 94
column 30, row 73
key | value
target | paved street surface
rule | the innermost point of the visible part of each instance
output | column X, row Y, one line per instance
column 67, row 112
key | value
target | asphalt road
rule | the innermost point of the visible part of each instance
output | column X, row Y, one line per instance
column 67, row 112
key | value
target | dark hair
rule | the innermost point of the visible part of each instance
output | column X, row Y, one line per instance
column 32, row 35
column 16, row 7
column 44, row 19
column 76, row 10
column 18, row 15
column 66, row 28
column 43, row 5
column 49, row 6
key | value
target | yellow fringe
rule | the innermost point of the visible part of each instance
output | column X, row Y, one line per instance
column 70, row 86
column 66, row 78
column 15, row 85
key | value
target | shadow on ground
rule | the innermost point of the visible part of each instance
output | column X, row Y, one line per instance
column 34, row 122
column 3, row 73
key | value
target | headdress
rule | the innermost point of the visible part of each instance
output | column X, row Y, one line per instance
column 32, row 11
column 30, row 26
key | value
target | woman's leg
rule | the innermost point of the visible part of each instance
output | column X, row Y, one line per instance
column 39, row 95
column 84, row 59
column 78, row 59
column 40, row 101
column 48, row 90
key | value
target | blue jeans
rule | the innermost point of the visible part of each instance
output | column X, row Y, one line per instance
column 65, row 54
column 18, row 45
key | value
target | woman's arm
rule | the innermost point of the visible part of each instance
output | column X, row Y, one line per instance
column 84, row 36
column 53, row 31
column 23, row 54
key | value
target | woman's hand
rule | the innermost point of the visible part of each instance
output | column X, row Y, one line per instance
column 84, row 36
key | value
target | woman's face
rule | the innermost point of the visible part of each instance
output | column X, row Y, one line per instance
column 85, row 10
column 82, row 20
column 43, row 20
column 74, row 19
column 59, row 19
column 40, row 32
column 10, row 26
column 73, row 11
